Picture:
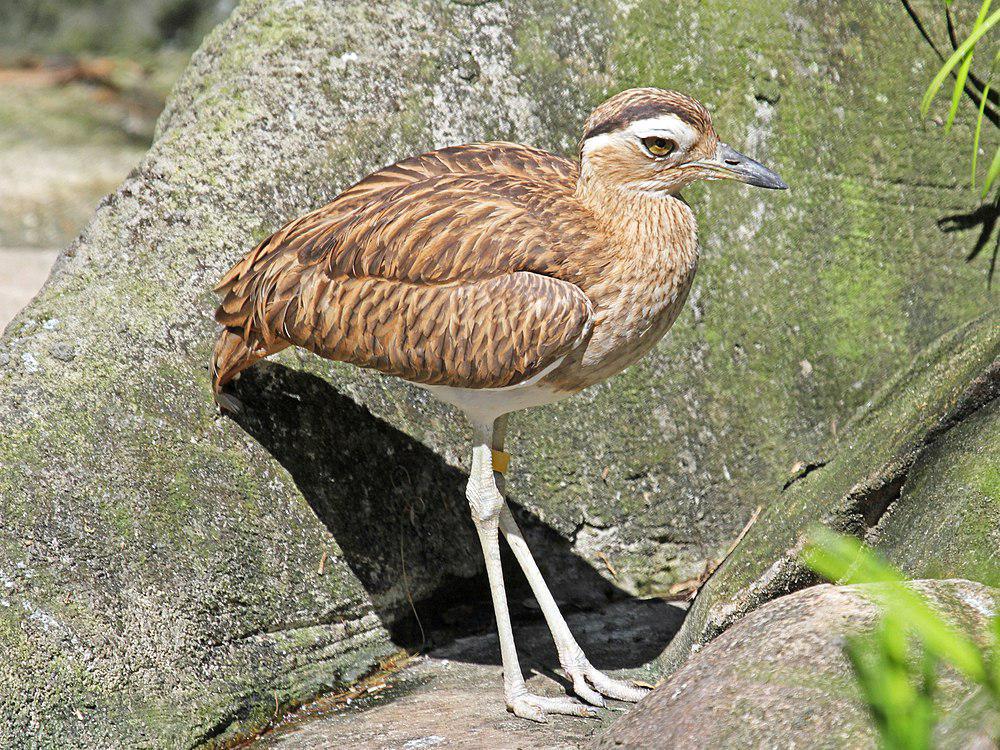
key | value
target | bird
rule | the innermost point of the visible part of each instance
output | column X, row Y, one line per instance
column 499, row 277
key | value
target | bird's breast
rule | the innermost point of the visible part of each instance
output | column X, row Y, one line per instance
column 636, row 299
column 636, row 311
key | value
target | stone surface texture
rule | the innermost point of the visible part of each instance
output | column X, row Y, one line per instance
column 454, row 697
column 914, row 473
column 779, row 677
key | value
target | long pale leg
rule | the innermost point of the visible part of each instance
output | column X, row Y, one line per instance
column 486, row 503
column 588, row 682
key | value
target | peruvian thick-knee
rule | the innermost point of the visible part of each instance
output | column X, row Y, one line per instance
column 500, row 277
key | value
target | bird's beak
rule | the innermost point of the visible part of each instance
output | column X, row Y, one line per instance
column 730, row 164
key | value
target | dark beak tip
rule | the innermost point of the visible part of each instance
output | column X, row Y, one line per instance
column 761, row 176
column 747, row 170
column 769, row 181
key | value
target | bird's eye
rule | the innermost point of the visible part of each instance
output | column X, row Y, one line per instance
column 658, row 146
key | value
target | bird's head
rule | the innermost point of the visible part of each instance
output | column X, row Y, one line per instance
column 656, row 141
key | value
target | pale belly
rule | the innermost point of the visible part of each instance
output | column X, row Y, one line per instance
column 596, row 360
column 484, row 405
column 632, row 317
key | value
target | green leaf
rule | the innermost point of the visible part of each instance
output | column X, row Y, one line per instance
column 956, row 57
column 898, row 689
column 963, row 71
column 844, row 558
column 979, row 128
column 994, row 686
column 957, row 91
column 991, row 175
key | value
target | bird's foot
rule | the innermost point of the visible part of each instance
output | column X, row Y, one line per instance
column 592, row 685
column 536, row 707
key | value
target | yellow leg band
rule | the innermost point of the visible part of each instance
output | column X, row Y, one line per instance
column 501, row 461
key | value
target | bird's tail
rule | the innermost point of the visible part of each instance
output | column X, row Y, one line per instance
column 235, row 351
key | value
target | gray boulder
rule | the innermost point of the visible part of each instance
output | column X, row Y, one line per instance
column 914, row 474
column 779, row 678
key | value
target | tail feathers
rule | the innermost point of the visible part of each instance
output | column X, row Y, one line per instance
column 235, row 352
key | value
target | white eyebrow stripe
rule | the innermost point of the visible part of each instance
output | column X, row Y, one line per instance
column 597, row 142
column 665, row 126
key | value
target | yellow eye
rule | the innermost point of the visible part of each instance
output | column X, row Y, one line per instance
column 658, row 146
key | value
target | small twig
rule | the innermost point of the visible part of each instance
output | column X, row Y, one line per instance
column 683, row 590
column 607, row 564
column 711, row 568
column 409, row 596
column 322, row 564
column 739, row 537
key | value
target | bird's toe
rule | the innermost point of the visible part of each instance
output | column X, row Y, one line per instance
column 536, row 707
column 588, row 681
column 585, row 692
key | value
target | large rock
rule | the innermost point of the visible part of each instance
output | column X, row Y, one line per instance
column 946, row 521
column 915, row 473
column 162, row 574
column 779, row 678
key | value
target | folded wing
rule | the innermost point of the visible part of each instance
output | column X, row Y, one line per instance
column 443, row 269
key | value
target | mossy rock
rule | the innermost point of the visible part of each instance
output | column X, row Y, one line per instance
column 946, row 521
column 162, row 565
column 914, row 474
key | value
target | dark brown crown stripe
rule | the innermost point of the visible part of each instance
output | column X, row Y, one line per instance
column 642, row 104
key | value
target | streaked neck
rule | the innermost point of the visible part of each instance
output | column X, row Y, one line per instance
column 646, row 221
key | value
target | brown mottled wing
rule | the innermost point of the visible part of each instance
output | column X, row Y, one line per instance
column 446, row 269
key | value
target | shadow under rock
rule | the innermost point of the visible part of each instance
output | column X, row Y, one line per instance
column 398, row 512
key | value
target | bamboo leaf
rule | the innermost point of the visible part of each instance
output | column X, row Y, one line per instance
column 991, row 175
column 956, row 57
column 957, row 91
column 846, row 559
column 979, row 119
column 994, row 686
column 979, row 128
column 963, row 71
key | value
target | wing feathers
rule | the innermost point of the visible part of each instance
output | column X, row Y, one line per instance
column 443, row 269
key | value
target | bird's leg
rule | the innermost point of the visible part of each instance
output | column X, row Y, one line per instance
column 588, row 682
column 486, row 502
